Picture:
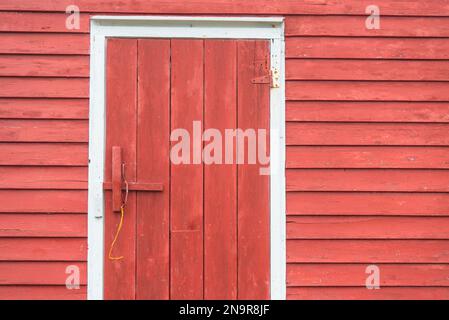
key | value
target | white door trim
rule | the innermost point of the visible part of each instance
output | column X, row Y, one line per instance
column 270, row 28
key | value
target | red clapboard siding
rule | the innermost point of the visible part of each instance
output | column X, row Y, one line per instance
column 44, row 66
column 368, row 227
column 340, row 69
column 44, row 43
column 17, row 87
column 388, row 89
column 43, row 178
column 353, row 90
column 40, row 22
column 368, row 251
column 321, row 275
column 367, row 180
column 43, row 249
column 355, row 26
column 373, row 111
column 43, row 225
column 36, row 292
column 353, row 7
column 43, row 130
column 44, row 154
column 39, row 273
column 368, row 157
column 363, row 48
column 349, row 293
column 56, row 201
column 373, row 134
column 364, row 203
column 44, row 108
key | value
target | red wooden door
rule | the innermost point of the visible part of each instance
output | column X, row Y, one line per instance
column 205, row 235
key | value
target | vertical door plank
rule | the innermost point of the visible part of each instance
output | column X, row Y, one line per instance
column 119, row 277
column 153, row 166
column 253, row 188
column 186, row 180
column 220, row 207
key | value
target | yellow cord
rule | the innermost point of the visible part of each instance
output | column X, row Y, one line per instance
column 122, row 214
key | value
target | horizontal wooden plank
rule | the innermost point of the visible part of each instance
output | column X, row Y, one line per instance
column 74, row 178
column 42, row 293
column 368, row 157
column 44, row 154
column 356, row 26
column 368, row 251
column 39, row 273
column 367, row 48
column 44, row 43
column 367, row 227
column 43, row 201
column 44, row 66
column 354, row 275
column 340, row 69
column 350, row 293
column 372, row 111
column 367, row 203
column 393, row 180
column 414, row 7
column 43, row 225
column 44, row 108
column 43, row 249
column 137, row 186
column 44, row 130
column 40, row 22
column 375, row 91
column 16, row 87
column 367, row 134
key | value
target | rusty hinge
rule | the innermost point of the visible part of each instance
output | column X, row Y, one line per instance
column 272, row 78
column 262, row 80
column 265, row 73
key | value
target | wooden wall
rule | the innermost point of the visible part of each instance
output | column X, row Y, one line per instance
column 367, row 143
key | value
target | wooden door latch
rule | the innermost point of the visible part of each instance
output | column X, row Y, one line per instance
column 119, row 183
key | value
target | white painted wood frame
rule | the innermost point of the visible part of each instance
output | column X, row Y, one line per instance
column 269, row 28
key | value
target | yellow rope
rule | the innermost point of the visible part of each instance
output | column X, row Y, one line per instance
column 122, row 214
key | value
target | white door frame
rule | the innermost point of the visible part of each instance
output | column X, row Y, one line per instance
column 270, row 28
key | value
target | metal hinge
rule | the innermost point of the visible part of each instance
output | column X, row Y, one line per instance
column 262, row 80
column 272, row 79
